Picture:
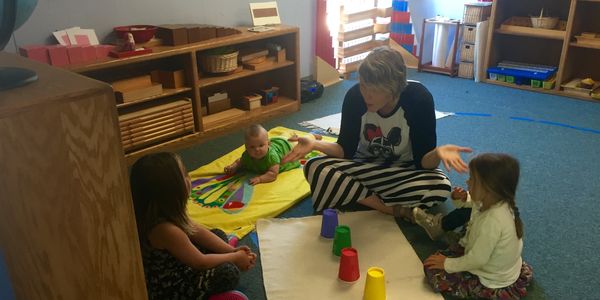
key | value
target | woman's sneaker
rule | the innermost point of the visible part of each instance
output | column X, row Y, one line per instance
column 431, row 223
column 231, row 295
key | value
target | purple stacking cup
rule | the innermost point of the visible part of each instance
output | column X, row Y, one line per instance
column 330, row 221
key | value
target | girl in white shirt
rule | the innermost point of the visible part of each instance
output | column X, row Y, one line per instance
column 490, row 264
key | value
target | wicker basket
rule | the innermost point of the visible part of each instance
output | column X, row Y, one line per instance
column 544, row 22
column 476, row 13
column 465, row 70
column 469, row 34
column 219, row 63
column 467, row 52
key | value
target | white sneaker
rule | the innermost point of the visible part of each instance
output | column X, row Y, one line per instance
column 431, row 223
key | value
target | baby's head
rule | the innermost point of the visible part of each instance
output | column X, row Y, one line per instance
column 256, row 141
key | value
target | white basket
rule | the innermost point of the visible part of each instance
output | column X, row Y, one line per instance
column 467, row 52
column 469, row 33
column 465, row 70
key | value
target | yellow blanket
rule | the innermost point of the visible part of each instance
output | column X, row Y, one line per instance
column 231, row 204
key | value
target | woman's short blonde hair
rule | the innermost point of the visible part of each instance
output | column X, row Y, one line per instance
column 384, row 69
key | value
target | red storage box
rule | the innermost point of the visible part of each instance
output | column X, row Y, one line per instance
column 36, row 52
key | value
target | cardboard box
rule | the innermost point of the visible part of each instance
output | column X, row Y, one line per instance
column 172, row 79
column 219, row 106
column 172, row 34
column 35, row 52
column 58, row 55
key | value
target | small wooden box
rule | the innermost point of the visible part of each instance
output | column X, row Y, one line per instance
column 172, row 34
column 135, row 94
column 219, row 106
column 225, row 31
column 198, row 33
column 250, row 102
column 132, row 83
column 172, row 79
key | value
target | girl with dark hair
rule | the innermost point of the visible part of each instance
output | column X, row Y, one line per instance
column 490, row 264
column 182, row 260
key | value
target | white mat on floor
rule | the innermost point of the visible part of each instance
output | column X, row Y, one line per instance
column 298, row 264
column 331, row 123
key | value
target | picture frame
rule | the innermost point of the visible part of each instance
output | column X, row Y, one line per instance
column 265, row 13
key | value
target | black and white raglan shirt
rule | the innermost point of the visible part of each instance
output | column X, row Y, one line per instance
column 401, row 137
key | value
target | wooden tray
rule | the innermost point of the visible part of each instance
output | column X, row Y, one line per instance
column 522, row 26
column 156, row 110
column 588, row 41
column 169, row 117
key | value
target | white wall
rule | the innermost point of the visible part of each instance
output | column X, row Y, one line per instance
column 103, row 15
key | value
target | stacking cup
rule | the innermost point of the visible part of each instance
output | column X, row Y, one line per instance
column 341, row 239
column 349, row 270
column 329, row 222
column 375, row 284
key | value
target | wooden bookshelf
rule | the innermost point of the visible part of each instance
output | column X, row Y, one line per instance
column 546, row 47
column 198, row 86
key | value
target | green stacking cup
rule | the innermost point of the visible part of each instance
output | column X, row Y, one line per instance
column 341, row 239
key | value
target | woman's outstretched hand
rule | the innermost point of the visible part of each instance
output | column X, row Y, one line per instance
column 305, row 145
column 450, row 156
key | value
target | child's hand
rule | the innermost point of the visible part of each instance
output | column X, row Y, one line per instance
column 459, row 194
column 255, row 180
column 435, row 261
column 229, row 170
column 244, row 261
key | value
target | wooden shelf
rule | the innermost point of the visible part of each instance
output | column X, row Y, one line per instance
column 553, row 91
column 168, row 51
column 283, row 104
column 531, row 32
column 285, row 75
column 166, row 93
column 574, row 44
column 208, row 81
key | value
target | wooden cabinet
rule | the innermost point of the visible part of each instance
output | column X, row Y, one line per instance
column 67, row 222
column 283, row 74
column 546, row 47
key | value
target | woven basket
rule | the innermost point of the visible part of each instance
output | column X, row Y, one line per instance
column 219, row 63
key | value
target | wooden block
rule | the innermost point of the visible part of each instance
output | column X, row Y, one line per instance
column 58, row 55
column 281, row 57
column 132, row 83
column 222, row 117
column 172, row 34
column 172, row 79
column 265, row 64
column 89, row 53
column 219, row 106
column 35, row 52
column 102, row 51
column 249, row 54
column 131, row 95
column 75, row 54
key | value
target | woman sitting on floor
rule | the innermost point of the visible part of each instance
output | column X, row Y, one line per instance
column 386, row 156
